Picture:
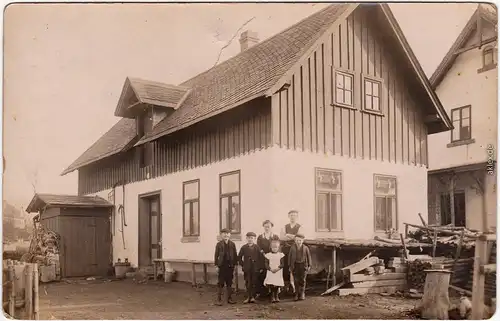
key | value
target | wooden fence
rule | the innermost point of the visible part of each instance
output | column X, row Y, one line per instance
column 20, row 290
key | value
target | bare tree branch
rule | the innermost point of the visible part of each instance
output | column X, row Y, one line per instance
column 231, row 40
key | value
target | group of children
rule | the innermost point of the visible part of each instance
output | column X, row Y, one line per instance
column 263, row 268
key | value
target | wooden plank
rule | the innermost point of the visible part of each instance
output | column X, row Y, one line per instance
column 291, row 115
column 298, row 111
column 478, row 280
column 337, row 124
column 313, row 98
column 377, row 283
column 283, row 118
column 333, row 288
column 276, row 121
column 375, row 277
column 345, row 136
column 488, row 237
column 320, row 94
column 380, row 289
column 359, row 266
column 306, row 106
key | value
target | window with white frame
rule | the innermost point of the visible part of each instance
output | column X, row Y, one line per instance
column 344, row 84
column 230, row 214
column 385, row 203
column 371, row 91
column 328, row 200
column 191, row 210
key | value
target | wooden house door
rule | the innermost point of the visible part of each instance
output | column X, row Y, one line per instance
column 150, row 246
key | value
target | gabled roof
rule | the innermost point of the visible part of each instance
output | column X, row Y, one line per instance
column 242, row 78
column 40, row 201
column 254, row 73
column 461, row 40
column 151, row 92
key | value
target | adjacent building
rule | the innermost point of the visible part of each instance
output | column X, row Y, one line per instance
column 462, row 173
column 330, row 117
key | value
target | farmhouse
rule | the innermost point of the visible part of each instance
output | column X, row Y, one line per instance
column 329, row 117
column 462, row 174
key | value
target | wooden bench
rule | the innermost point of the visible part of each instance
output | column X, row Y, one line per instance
column 159, row 262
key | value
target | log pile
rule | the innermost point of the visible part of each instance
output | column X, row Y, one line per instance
column 444, row 234
column 460, row 269
column 44, row 250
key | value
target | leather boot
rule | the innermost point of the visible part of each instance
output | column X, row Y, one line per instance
column 273, row 295
column 277, row 294
column 230, row 296
column 219, row 296
column 302, row 292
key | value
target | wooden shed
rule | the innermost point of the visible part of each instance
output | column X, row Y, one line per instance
column 83, row 223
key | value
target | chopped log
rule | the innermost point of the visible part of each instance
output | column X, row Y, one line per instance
column 368, row 255
column 386, row 276
column 436, row 301
column 359, row 266
column 333, row 288
column 379, row 289
column 378, row 283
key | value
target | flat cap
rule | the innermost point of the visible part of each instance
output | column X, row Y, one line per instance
column 300, row 235
column 225, row 230
column 251, row 234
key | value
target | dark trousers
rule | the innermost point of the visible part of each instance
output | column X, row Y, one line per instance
column 251, row 282
column 286, row 268
column 299, row 276
column 225, row 276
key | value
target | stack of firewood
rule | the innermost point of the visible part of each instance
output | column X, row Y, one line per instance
column 416, row 274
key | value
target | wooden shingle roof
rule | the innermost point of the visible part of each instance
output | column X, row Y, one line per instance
column 115, row 140
column 242, row 78
column 249, row 74
column 157, row 93
column 40, row 201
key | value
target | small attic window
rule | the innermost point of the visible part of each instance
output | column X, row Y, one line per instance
column 144, row 122
column 489, row 61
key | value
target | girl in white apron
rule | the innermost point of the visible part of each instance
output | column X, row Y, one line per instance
column 274, row 264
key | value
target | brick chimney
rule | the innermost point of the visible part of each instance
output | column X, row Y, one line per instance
column 248, row 39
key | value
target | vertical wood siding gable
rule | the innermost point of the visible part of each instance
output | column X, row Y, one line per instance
column 305, row 116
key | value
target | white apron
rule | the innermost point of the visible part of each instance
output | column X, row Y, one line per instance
column 274, row 262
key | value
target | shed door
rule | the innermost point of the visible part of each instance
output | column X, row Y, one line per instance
column 86, row 246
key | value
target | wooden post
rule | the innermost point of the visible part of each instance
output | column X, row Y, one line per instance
column 35, row 291
column 459, row 250
column 434, row 243
column 155, row 270
column 452, row 199
column 436, row 301
column 334, row 267
column 478, row 279
column 193, row 274
column 28, row 271
column 205, row 273
column 12, row 292
column 483, row 201
column 406, row 231
column 328, row 276
column 405, row 254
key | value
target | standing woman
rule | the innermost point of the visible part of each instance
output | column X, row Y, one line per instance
column 264, row 242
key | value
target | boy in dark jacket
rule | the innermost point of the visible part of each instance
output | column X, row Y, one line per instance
column 250, row 258
column 225, row 260
column 299, row 261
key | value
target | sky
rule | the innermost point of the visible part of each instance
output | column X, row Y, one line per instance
column 65, row 65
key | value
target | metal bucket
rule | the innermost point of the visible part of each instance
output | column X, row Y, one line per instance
column 121, row 269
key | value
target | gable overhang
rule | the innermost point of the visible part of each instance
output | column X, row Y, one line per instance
column 442, row 122
column 128, row 109
column 471, row 26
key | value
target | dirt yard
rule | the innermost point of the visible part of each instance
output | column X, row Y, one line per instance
column 101, row 299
